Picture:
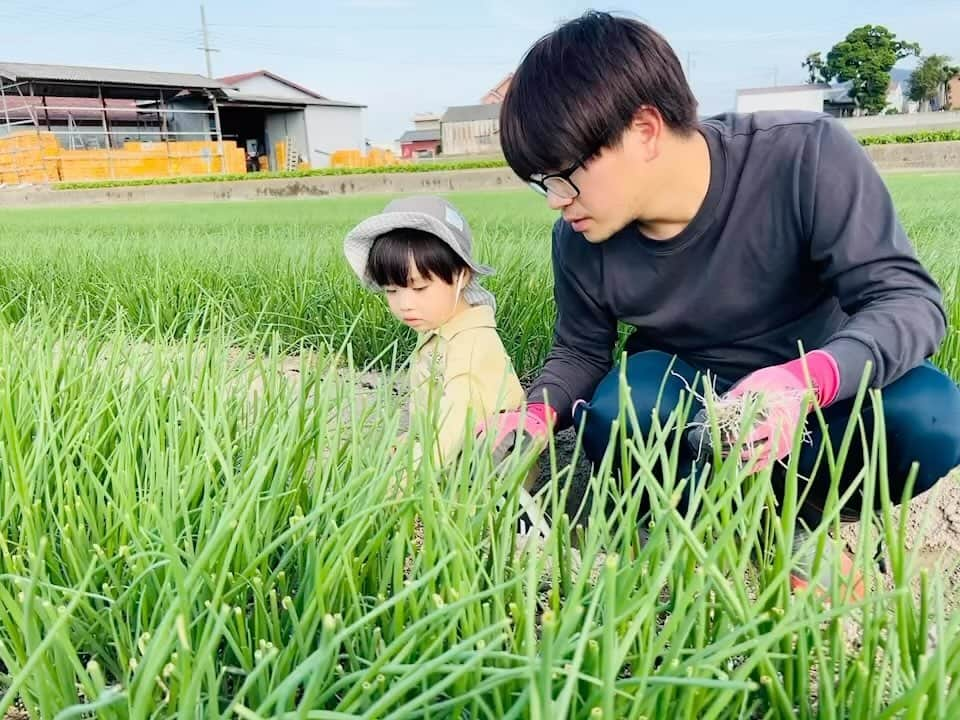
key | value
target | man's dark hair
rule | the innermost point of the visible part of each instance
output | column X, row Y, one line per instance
column 389, row 260
column 578, row 88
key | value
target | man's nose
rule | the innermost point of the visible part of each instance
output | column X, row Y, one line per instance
column 556, row 202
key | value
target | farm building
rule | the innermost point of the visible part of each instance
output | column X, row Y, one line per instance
column 497, row 93
column 419, row 144
column 821, row 97
column 265, row 108
column 951, row 100
column 79, row 123
column 475, row 129
column 83, row 123
column 471, row 129
column 94, row 107
column 424, row 140
column 783, row 97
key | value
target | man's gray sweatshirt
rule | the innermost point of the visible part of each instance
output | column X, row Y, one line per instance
column 797, row 242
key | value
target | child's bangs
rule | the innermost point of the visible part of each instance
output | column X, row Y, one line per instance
column 390, row 255
column 389, row 261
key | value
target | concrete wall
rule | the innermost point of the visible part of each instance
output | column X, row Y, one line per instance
column 904, row 123
column 927, row 156
column 387, row 183
column 916, row 156
column 811, row 100
column 332, row 128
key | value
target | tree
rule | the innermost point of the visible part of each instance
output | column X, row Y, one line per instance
column 864, row 59
column 816, row 68
column 928, row 82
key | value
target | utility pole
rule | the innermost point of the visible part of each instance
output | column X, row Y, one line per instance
column 689, row 64
column 206, row 41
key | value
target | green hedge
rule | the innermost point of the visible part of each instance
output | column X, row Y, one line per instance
column 318, row 172
column 922, row 136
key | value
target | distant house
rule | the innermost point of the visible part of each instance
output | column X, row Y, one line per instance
column 474, row 129
column 426, row 121
column 424, row 140
column 953, row 94
column 471, row 129
column 782, row 97
column 420, row 143
column 820, row 97
column 498, row 92
column 839, row 103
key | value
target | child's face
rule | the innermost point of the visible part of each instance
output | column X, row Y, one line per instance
column 425, row 303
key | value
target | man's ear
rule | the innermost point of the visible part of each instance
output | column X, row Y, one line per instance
column 646, row 131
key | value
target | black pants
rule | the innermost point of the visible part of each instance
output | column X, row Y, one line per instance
column 921, row 416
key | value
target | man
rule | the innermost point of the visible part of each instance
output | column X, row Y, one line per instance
column 728, row 245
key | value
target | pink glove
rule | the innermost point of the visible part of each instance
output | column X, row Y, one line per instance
column 784, row 386
column 536, row 426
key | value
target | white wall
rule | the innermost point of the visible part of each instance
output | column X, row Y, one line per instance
column 261, row 85
column 333, row 128
column 793, row 100
column 282, row 124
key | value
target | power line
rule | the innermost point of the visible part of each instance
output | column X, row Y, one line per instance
column 32, row 12
column 103, row 10
column 190, row 37
column 393, row 27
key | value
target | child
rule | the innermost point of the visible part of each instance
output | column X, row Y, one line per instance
column 418, row 252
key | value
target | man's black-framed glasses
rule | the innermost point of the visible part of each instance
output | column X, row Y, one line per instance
column 558, row 183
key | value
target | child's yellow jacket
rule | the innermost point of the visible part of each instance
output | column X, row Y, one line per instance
column 463, row 361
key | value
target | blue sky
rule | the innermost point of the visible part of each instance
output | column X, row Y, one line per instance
column 405, row 56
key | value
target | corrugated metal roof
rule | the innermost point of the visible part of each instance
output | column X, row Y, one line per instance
column 467, row 113
column 240, row 98
column 16, row 72
column 240, row 77
column 419, row 135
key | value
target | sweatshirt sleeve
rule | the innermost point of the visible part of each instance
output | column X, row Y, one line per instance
column 584, row 336
column 862, row 254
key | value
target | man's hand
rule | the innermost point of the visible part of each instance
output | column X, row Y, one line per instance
column 515, row 428
column 779, row 392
